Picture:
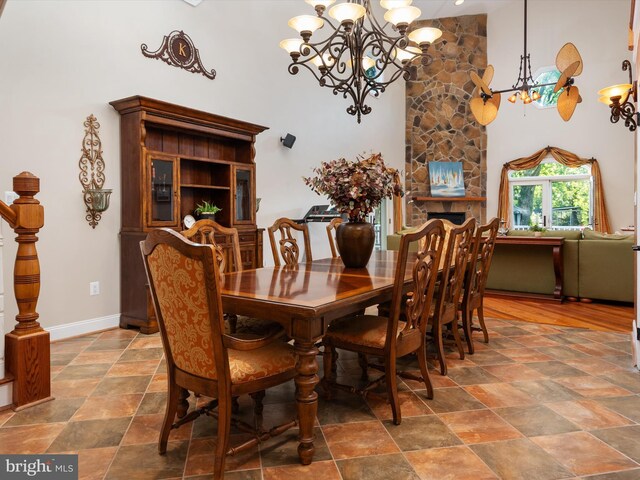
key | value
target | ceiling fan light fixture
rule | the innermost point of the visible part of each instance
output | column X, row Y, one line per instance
column 458, row 2
column 526, row 88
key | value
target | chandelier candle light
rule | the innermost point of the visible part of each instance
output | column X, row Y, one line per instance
column 360, row 56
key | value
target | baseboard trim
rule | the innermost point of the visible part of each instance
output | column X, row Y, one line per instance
column 83, row 327
column 6, row 395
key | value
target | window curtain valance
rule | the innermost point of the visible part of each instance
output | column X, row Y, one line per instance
column 600, row 218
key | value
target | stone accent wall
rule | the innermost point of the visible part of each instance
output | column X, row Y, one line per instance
column 440, row 126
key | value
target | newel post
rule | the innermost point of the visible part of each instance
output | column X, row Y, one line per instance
column 27, row 347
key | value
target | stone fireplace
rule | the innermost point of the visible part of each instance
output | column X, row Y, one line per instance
column 440, row 126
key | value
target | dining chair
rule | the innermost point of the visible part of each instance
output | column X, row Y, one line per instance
column 476, row 280
column 448, row 296
column 287, row 246
column 331, row 231
column 389, row 337
column 228, row 257
column 185, row 287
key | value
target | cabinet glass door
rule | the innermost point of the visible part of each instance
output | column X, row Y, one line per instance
column 162, row 192
column 243, row 195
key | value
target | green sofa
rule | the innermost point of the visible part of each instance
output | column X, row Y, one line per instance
column 596, row 266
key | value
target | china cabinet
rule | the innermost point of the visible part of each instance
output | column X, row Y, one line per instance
column 172, row 159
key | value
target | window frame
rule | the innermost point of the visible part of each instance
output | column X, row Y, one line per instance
column 547, row 195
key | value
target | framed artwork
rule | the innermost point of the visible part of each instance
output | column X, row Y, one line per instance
column 446, row 179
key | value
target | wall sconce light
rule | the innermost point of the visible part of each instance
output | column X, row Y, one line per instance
column 620, row 99
column 96, row 198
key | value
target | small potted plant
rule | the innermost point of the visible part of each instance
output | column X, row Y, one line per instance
column 206, row 210
column 537, row 230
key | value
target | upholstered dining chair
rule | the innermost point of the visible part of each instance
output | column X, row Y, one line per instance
column 449, row 293
column 228, row 257
column 389, row 337
column 476, row 280
column 286, row 247
column 331, row 229
column 185, row 288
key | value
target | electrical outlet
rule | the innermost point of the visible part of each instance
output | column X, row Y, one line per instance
column 94, row 288
column 10, row 197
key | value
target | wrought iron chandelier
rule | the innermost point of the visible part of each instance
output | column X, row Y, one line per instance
column 486, row 101
column 360, row 56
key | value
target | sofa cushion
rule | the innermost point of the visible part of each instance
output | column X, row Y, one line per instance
column 589, row 234
column 606, row 270
column 568, row 234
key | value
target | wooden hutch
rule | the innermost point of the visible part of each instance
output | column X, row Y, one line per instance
column 173, row 158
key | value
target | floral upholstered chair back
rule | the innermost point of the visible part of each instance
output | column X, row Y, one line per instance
column 184, row 281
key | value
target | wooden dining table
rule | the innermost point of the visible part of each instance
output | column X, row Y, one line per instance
column 305, row 299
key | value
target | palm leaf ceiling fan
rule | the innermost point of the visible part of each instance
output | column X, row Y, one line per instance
column 486, row 101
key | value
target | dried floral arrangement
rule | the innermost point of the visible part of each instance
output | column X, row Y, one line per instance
column 356, row 187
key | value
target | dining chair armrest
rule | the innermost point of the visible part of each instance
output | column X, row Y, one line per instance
column 236, row 343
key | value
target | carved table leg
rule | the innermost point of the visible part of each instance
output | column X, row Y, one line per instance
column 558, row 268
column 306, row 397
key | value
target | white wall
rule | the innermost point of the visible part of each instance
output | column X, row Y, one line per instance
column 68, row 59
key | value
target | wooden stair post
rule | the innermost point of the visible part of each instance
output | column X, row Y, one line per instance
column 27, row 349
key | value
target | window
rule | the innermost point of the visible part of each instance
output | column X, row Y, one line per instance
column 551, row 195
column 547, row 97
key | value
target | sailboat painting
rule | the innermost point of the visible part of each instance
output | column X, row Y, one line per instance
column 446, row 179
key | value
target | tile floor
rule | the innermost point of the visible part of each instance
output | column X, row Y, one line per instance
column 537, row 403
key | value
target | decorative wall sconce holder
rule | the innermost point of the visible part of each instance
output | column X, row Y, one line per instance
column 96, row 198
column 621, row 99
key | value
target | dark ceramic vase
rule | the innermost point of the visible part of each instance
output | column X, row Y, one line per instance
column 355, row 243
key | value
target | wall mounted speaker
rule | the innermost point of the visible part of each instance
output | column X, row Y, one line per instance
column 288, row 140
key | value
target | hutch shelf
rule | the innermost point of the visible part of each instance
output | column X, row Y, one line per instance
column 174, row 158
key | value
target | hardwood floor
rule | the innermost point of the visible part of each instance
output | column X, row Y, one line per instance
column 595, row 316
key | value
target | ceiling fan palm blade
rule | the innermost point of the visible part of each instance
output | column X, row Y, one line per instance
column 484, row 112
column 567, row 55
column 567, row 73
column 478, row 82
column 487, row 76
column 495, row 100
column 567, row 102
